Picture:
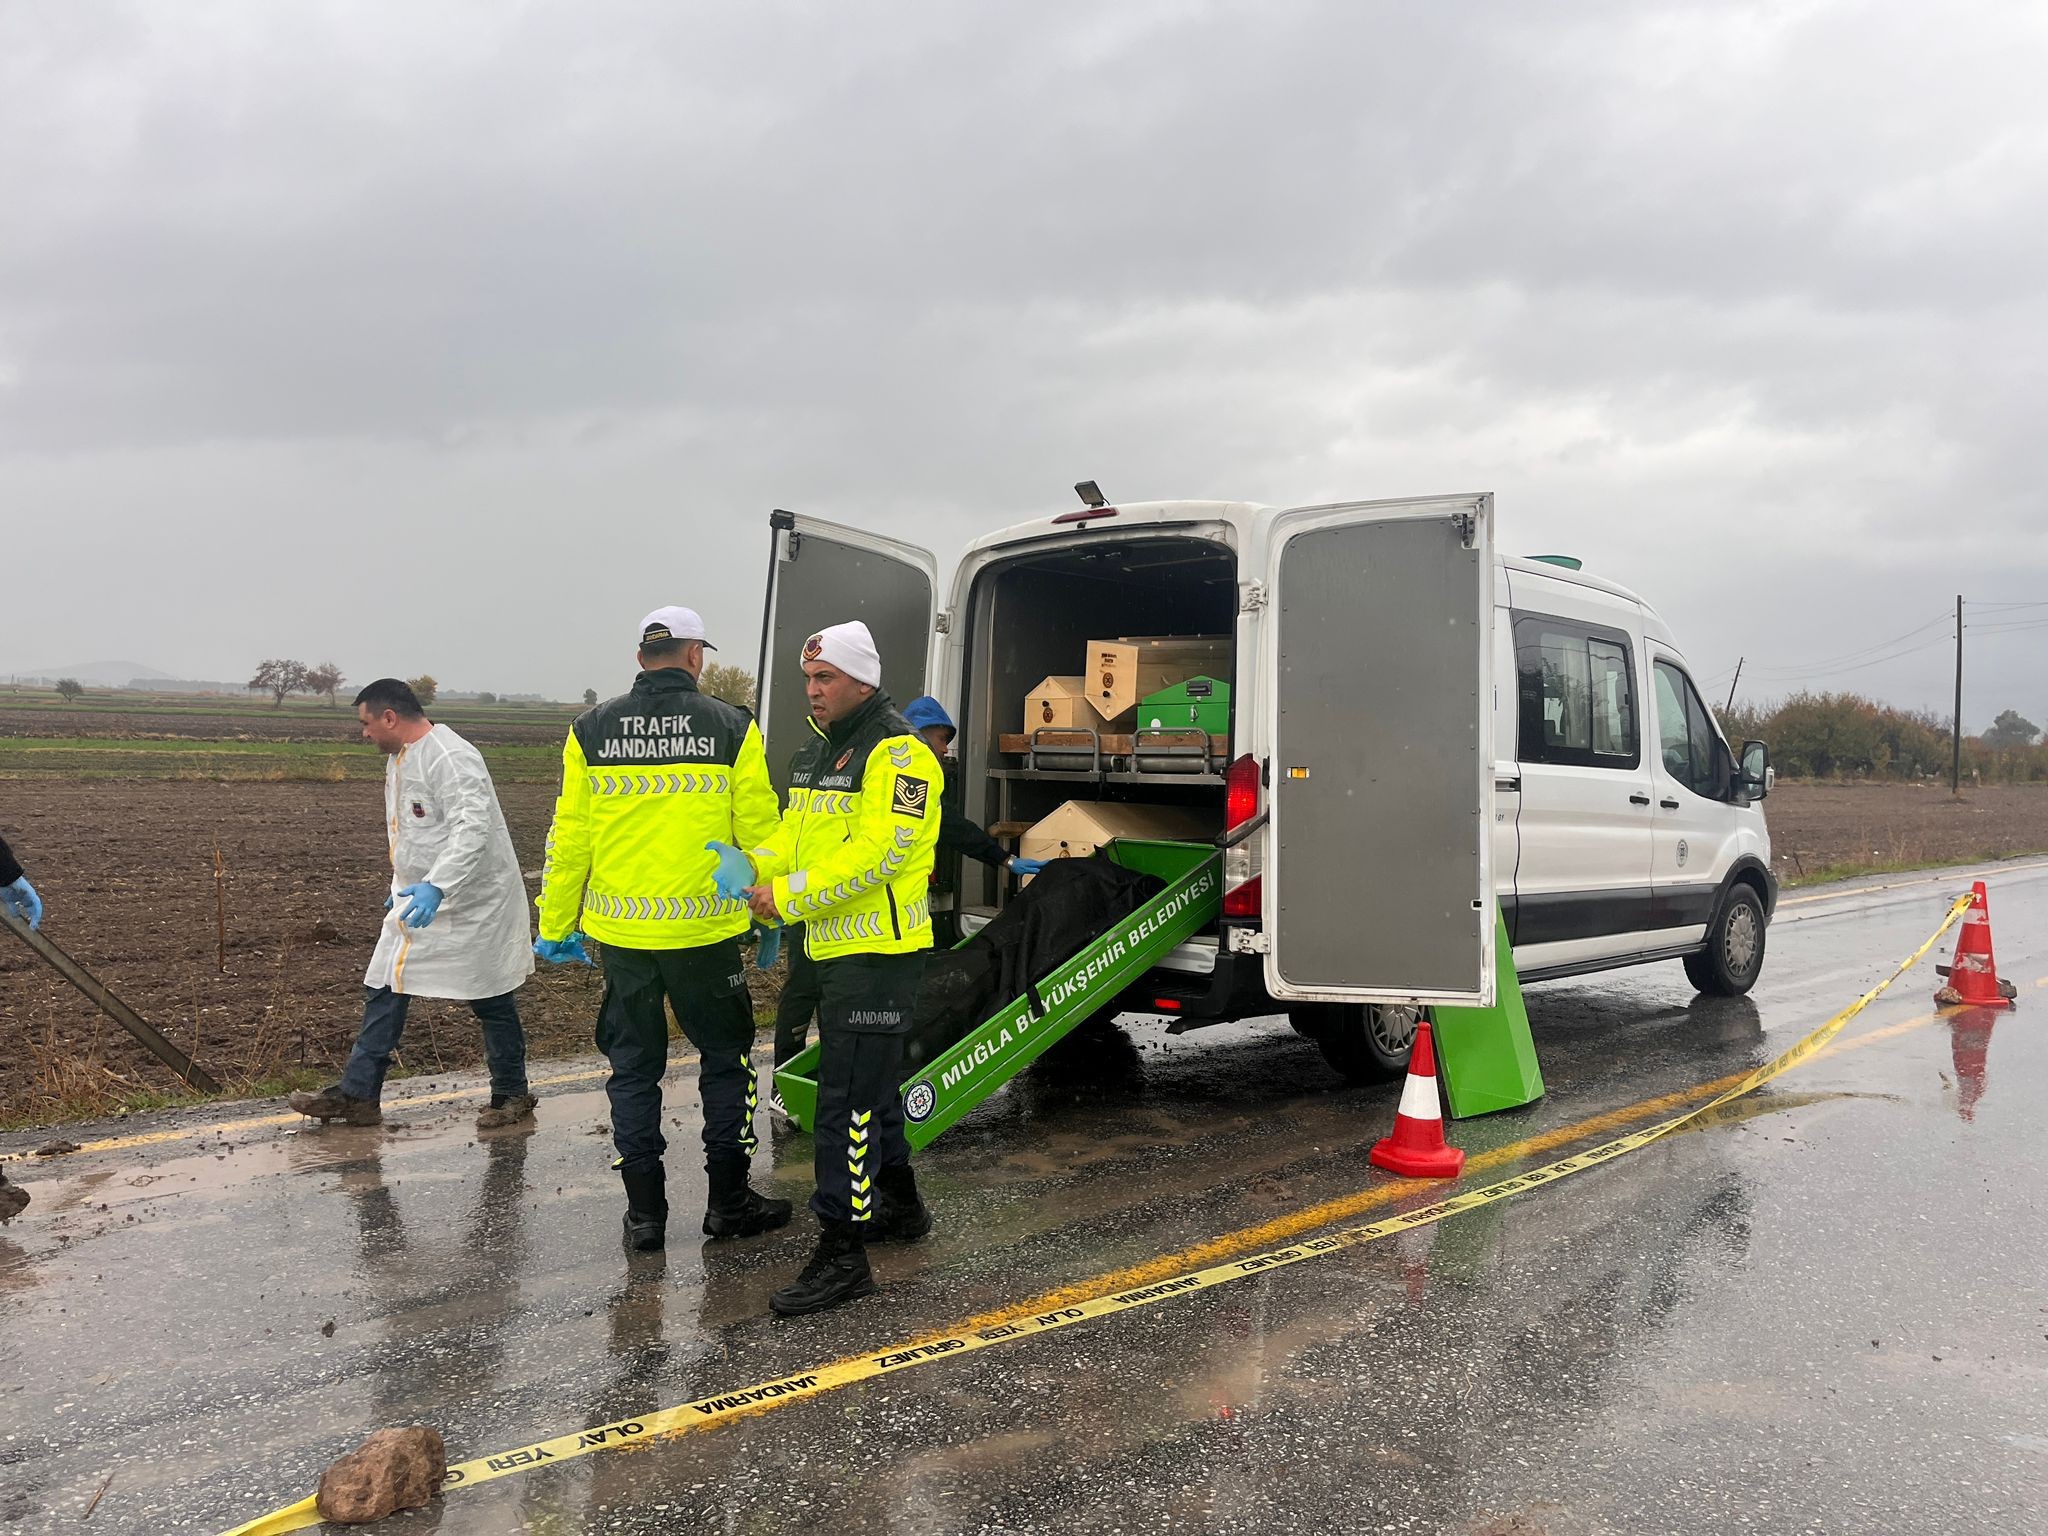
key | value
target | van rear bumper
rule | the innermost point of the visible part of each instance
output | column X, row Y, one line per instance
column 1234, row 989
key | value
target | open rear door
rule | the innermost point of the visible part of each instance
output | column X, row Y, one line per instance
column 822, row 573
column 1376, row 683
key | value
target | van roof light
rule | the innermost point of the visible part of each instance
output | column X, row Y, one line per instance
column 1085, row 517
column 1090, row 493
column 1569, row 562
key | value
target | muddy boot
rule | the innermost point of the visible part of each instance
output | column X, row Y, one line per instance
column 13, row 1198
column 735, row 1209
column 901, row 1215
column 646, row 1207
column 506, row 1110
column 838, row 1272
column 332, row 1104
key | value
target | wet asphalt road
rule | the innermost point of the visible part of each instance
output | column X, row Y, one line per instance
column 1825, row 1312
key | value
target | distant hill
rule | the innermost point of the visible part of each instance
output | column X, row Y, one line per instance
column 94, row 674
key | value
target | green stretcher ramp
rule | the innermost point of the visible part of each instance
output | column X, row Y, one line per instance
column 1486, row 1056
column 952, row 1084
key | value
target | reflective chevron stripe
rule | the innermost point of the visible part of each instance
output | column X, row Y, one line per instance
column 859, row 925
column 916, row 913
column 753, row 1102
column 857, row 885
column 661, row 783
column 658, row 909
column 857, row 1164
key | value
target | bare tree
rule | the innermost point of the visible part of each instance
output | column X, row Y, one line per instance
column 279, row 678
column 325, row 678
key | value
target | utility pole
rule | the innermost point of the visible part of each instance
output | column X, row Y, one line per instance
column 1731, row 686
column 1955, row 771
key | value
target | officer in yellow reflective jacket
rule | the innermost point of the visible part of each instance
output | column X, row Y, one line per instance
column 852, row 861
column 648, row 779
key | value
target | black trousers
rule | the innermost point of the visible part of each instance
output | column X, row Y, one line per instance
column 864, row 1010
column 707, row 988
column 799, row 1001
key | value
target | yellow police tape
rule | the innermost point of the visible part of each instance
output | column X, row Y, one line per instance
column 708, row 1411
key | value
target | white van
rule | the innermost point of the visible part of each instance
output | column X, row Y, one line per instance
column 1418, row 728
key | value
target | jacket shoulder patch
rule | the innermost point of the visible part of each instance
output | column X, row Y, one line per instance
column 911, row 796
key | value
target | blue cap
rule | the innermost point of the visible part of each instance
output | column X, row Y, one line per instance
column 925, row 711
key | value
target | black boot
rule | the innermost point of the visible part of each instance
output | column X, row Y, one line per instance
column 901, row 1215
column 735, row 1209
column 646, row 1206
column 838, row 1272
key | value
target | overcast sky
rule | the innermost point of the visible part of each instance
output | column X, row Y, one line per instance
column 453, row 337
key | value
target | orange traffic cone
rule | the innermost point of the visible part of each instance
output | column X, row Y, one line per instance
column 1417, row 1149
column 1973, row 976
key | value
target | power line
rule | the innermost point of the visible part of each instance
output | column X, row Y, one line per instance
column 1803, row 674
column 1859, row 651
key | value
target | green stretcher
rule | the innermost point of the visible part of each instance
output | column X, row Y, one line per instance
column 1007, row 1042
column 1485, row 1054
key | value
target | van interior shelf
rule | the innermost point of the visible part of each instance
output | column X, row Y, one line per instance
column 1086, row 774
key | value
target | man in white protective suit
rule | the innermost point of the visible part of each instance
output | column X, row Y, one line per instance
column 456, row 920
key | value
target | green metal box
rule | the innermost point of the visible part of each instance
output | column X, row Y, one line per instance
column 1199, row 704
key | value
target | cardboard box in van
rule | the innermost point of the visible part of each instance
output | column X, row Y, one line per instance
column 1079, row 827
column 1059, row 703
column 1121, row 672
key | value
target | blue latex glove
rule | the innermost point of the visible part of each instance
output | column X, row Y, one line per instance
column 734, row 873
column 770, row 950
column 567, row 951
column 1019, row 865
column 424, row 902
column 20, row 900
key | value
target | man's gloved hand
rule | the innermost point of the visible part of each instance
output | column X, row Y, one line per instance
column 770, row 950
column 20, row 900
column 1019, row 865
column 568, row 951
column 734, row 874
column 422, row 902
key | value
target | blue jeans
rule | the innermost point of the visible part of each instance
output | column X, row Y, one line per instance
column 384, row 1022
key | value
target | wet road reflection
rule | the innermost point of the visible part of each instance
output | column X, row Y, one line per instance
column 1753, row 1321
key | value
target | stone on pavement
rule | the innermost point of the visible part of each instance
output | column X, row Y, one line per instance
column 392, row 1470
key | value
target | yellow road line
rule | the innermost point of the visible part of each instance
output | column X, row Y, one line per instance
column 1112, row 1294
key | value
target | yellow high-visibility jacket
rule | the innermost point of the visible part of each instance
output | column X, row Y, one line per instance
column 648, row 779
column 852, row 857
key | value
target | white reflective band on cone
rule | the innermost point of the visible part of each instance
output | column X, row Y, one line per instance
column 1418, row 1099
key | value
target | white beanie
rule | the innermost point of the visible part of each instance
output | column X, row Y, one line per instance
column 850, row 648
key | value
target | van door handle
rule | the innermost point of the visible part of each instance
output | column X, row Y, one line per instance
column 1669, row 805
column 1638, row 799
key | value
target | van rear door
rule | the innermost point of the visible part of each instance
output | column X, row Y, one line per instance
column 1375, row 683
column 822, row 573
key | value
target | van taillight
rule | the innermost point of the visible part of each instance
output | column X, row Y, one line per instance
column 1240, row 805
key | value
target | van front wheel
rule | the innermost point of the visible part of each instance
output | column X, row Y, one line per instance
column 1364, row 1042
column 1734, row 956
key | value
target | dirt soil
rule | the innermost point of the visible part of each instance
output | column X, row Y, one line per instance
column 1818, row 827
column 126, row 867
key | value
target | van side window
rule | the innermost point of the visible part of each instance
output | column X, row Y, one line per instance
column 1576, row 694
column 1690, row 748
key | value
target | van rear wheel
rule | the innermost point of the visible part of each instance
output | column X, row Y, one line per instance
column 1734, row 956
column 1363, row 1042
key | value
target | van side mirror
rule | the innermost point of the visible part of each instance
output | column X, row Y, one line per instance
column 1755, row 777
